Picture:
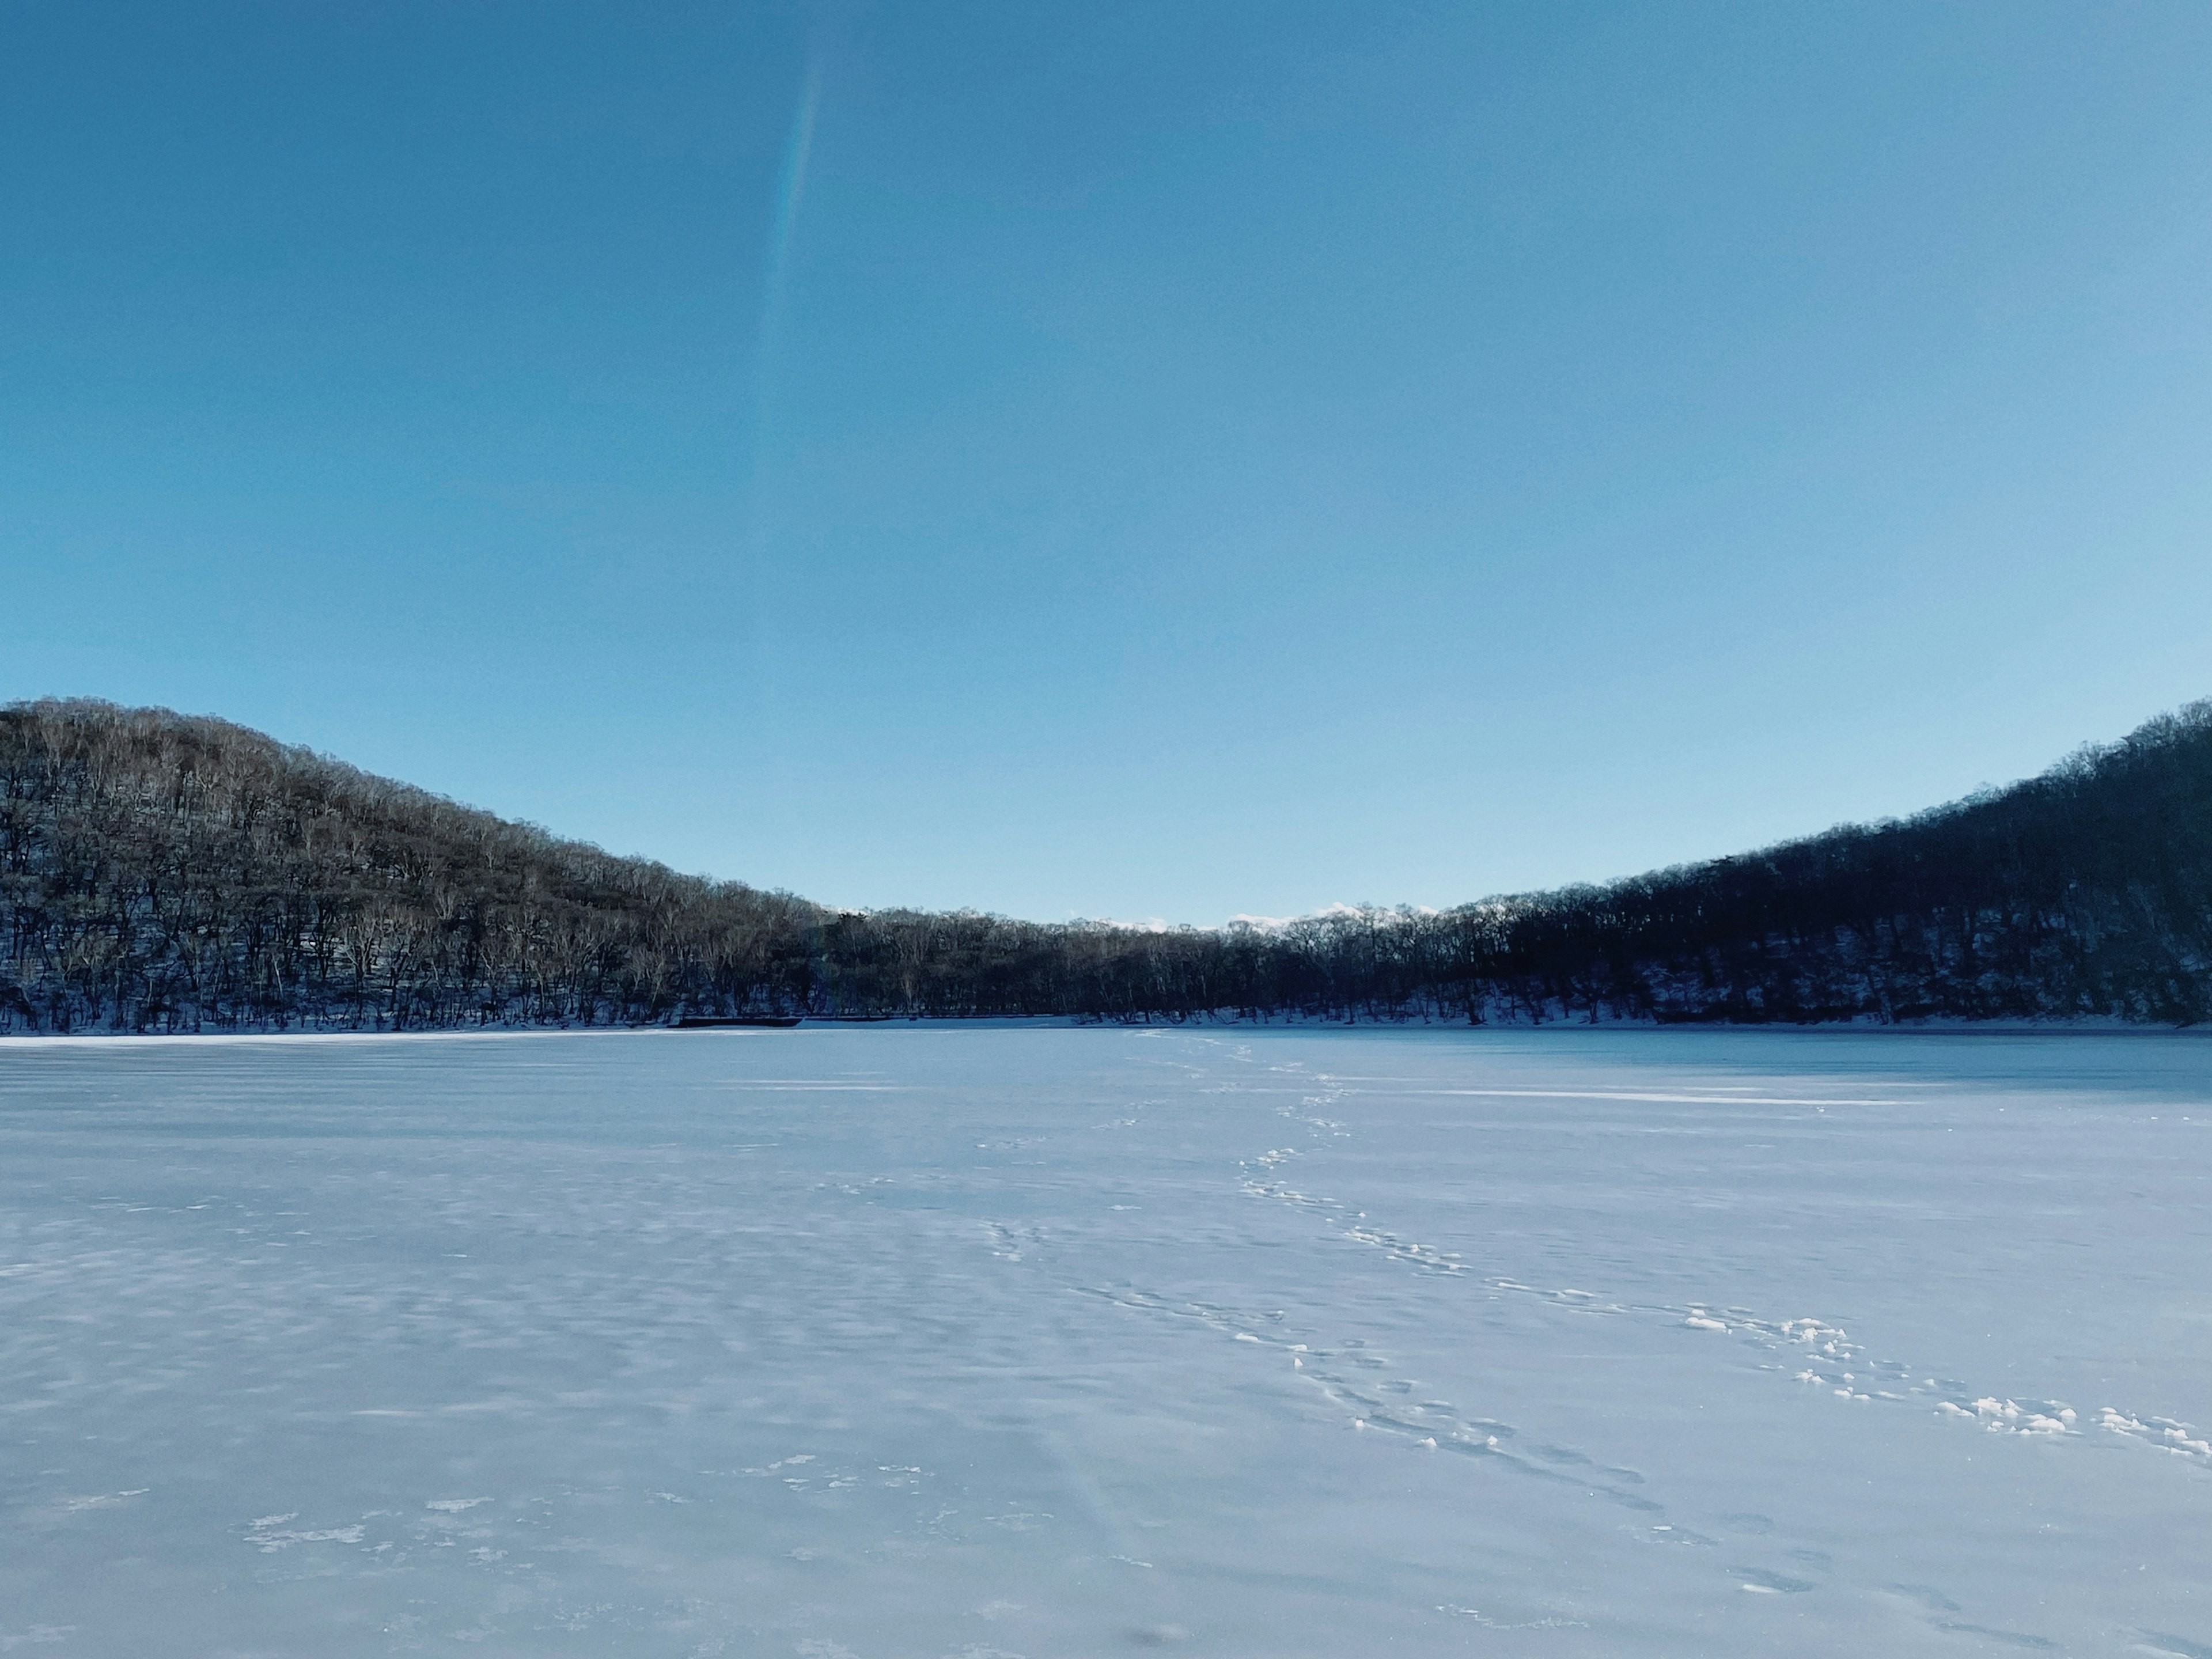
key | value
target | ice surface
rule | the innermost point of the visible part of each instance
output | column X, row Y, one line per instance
column 985, row 1342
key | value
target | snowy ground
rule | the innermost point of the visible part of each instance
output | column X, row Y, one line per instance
column 896, row 1341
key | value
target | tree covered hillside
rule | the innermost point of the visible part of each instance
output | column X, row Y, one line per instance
column 162, row 872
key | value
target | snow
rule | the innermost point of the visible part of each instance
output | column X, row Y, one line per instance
column 939, row 1341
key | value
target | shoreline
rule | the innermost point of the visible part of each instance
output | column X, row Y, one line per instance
column 2100, row 1026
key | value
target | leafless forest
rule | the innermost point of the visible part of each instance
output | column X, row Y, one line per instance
column 160, row 872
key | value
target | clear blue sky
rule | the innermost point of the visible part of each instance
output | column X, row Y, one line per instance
column 1140, row 461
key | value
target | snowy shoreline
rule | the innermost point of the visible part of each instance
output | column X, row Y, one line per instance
column 2104, row 1026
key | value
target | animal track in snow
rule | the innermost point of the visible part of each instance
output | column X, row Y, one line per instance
column 1840, row 1365
column 1429, row 1424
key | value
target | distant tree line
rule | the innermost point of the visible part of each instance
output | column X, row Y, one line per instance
column 162, row 874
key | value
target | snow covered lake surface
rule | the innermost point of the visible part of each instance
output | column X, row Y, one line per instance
column 1055, row 1343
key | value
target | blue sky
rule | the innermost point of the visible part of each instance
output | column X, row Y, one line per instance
column 1154, row 461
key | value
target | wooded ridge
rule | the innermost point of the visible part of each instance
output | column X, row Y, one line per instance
column 163, row 872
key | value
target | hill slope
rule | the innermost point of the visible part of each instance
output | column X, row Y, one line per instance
column 160, row 872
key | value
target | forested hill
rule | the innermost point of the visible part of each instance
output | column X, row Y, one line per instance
column 160, row 872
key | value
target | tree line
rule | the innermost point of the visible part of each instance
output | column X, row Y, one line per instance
column 160, row 872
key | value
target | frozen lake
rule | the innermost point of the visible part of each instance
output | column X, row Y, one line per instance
column 899, row 1341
